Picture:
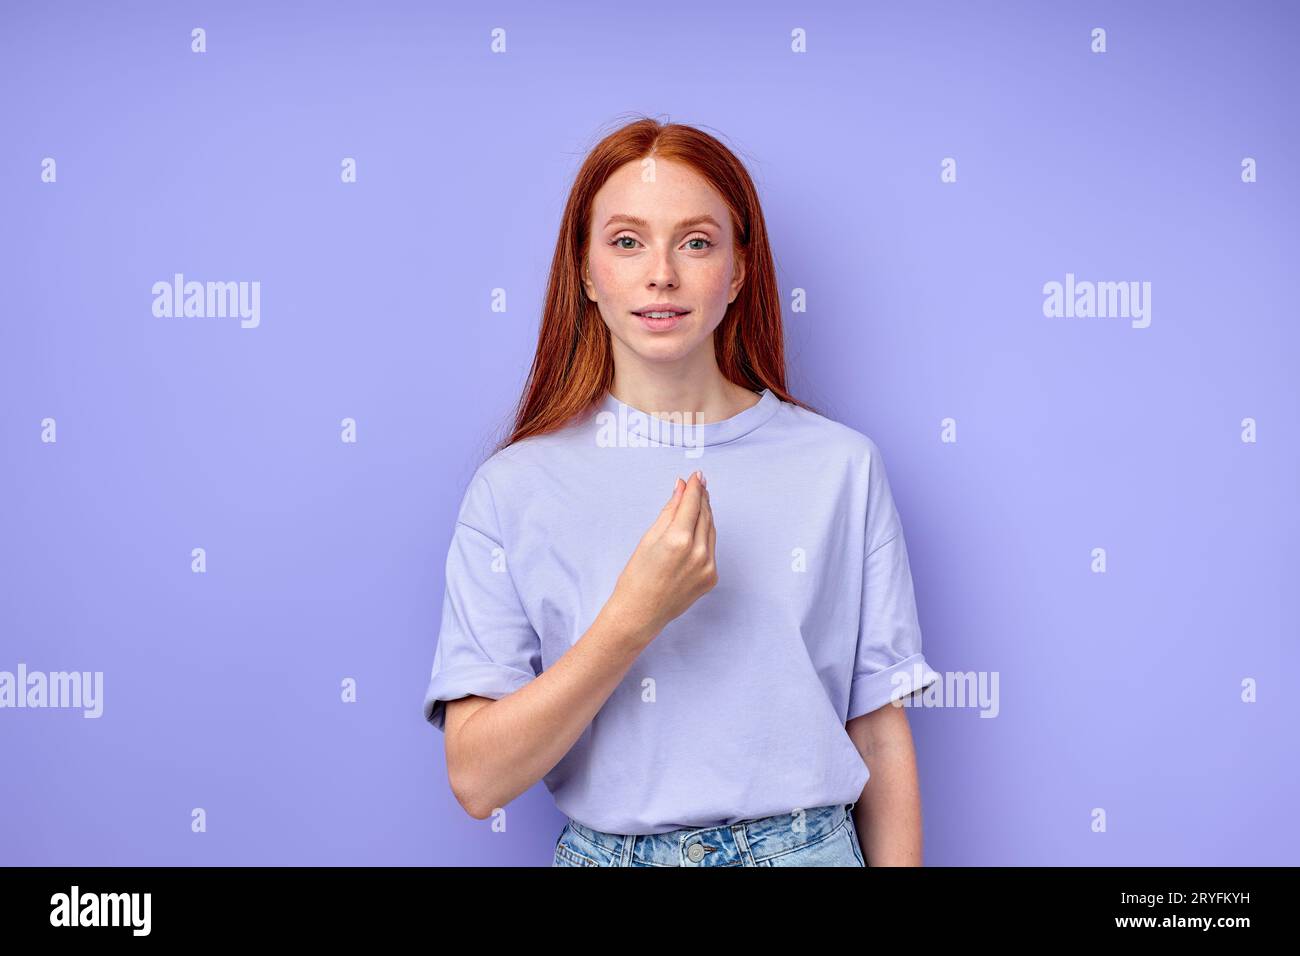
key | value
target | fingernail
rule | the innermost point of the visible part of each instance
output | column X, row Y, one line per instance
column 704, row 481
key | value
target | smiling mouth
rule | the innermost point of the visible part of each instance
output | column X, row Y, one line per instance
column 662, row 315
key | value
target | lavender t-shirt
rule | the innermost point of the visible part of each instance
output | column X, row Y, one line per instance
column 737, row 709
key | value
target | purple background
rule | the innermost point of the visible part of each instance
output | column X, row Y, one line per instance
column 1119, row 691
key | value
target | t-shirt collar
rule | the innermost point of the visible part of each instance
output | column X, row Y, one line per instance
column 669, row 431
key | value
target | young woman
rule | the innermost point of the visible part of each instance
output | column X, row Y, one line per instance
column 676, row 594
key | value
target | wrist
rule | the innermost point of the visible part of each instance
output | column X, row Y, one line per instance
column 626, row 627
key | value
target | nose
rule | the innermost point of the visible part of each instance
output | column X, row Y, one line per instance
column 663, row 274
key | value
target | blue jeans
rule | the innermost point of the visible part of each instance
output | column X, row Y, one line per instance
column 822, row 836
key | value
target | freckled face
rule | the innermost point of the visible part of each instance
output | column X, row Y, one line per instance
column 668, row 241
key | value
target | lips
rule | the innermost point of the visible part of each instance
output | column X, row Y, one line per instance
column 661, row 324
column 660, row 307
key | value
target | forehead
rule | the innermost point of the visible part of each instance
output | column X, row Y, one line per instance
column 676, row 192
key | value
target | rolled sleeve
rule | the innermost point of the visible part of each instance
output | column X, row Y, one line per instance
column 487, row 646
column 888, row 663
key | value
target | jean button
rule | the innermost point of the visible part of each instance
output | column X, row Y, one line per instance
column 695, row 852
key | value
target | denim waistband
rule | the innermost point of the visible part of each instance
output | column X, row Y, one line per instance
column 761, row 837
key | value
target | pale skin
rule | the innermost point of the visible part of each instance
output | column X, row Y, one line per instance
column 666, row 240
column 888, row 814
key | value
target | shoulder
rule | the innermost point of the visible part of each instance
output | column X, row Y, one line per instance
column 834, row 438
column 511, row 473
column 864, row 472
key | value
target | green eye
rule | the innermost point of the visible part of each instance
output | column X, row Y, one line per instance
column 708, row 243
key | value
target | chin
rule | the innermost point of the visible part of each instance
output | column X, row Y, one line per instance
column 655, row 352
column 659, row 349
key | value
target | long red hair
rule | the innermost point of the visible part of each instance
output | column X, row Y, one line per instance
column 574, row 364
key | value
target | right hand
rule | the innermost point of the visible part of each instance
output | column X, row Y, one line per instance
column 673, row 565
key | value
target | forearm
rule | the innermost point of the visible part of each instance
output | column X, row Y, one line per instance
column 507, row 745
column 888, row 814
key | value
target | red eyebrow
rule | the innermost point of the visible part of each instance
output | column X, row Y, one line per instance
column 684, row 224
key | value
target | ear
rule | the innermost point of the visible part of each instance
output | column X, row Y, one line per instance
column 739, row 279
column 587, row 285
